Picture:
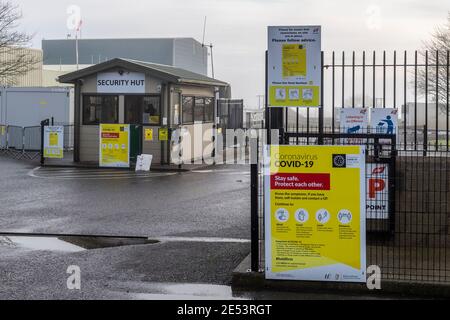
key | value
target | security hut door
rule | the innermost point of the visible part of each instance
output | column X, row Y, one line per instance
column 141, row 111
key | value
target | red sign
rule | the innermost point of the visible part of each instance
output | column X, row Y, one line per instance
column 110, row 135
column 300, row 181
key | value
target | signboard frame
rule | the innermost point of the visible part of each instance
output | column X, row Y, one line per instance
column 121, row 143
column 53, row 149
column 294, row 66
column 321, row 272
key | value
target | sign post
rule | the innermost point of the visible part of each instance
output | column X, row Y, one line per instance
column 114, row 146
column 315, row 213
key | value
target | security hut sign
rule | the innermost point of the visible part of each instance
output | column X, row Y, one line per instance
column 121, row 82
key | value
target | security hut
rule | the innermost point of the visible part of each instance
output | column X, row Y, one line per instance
column 153, row 98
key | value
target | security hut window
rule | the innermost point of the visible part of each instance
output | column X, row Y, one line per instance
column 198, row 109
column 100, row 109
column 209, row 109
column 188, row 110
column 143, row 110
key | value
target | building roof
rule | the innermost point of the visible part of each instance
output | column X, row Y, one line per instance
column 164, row 72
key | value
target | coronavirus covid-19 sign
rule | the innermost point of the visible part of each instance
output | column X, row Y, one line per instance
column 294, row 66
column 114, row 146
column 315, row 213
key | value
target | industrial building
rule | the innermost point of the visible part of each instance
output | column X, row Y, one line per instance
column 185, row 53
column 33, row 78
column 151, row 96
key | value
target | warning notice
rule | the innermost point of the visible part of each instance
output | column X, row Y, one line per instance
column 315, row 213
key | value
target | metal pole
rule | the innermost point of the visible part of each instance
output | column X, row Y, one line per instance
column 76, row 49
column 321, row 109
column 254, row 211
column 212, row 60
column 43, row 124
column 268, row 113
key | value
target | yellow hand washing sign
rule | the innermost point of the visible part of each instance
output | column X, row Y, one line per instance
column 315, row 213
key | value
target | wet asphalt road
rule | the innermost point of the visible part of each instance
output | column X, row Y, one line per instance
column 193, row 207
column 184, row 204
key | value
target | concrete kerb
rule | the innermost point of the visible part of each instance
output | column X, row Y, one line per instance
column 243, row 279
column 153, row 169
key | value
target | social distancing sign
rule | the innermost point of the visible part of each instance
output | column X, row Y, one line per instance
column 315, row 213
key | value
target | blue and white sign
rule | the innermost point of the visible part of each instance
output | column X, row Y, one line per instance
column 384, row 121
column 354, row 120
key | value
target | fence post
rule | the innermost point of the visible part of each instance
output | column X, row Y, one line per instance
column 425, row 140
column 254, row 210
column 43, row 124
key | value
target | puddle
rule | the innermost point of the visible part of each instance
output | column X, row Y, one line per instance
column 40, row 243
column 69, row 243
column 176, row 291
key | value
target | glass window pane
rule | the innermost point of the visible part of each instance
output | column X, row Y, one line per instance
column 151, row 107
column 199, row 109
column 209, row 109
column 100, row 109
column 132, row 109
column 176, row 108
column 188, row 106
column 109, row 109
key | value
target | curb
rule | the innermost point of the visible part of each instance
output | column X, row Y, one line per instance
column 243, row 279
column 155, row 169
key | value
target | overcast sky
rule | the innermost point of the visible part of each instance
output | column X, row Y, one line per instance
column 237, row 28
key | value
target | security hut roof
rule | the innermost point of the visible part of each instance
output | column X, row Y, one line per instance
column 160, row 71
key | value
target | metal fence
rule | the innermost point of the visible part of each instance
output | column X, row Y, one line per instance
column 230, row 113
column 413, row 243
column 416, row 83
column 25, row 142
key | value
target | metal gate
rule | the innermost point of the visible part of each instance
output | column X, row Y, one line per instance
column 413, row 242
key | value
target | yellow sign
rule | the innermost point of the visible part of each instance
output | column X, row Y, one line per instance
column 294, row 60
column 148, row 134
column 294, row 66
column 315, row 213
column 54, row 142
column 290, row 96
column 2, row 130
column 53, row 139
column 153, row 119
column 163, row 134
column 114, row 146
